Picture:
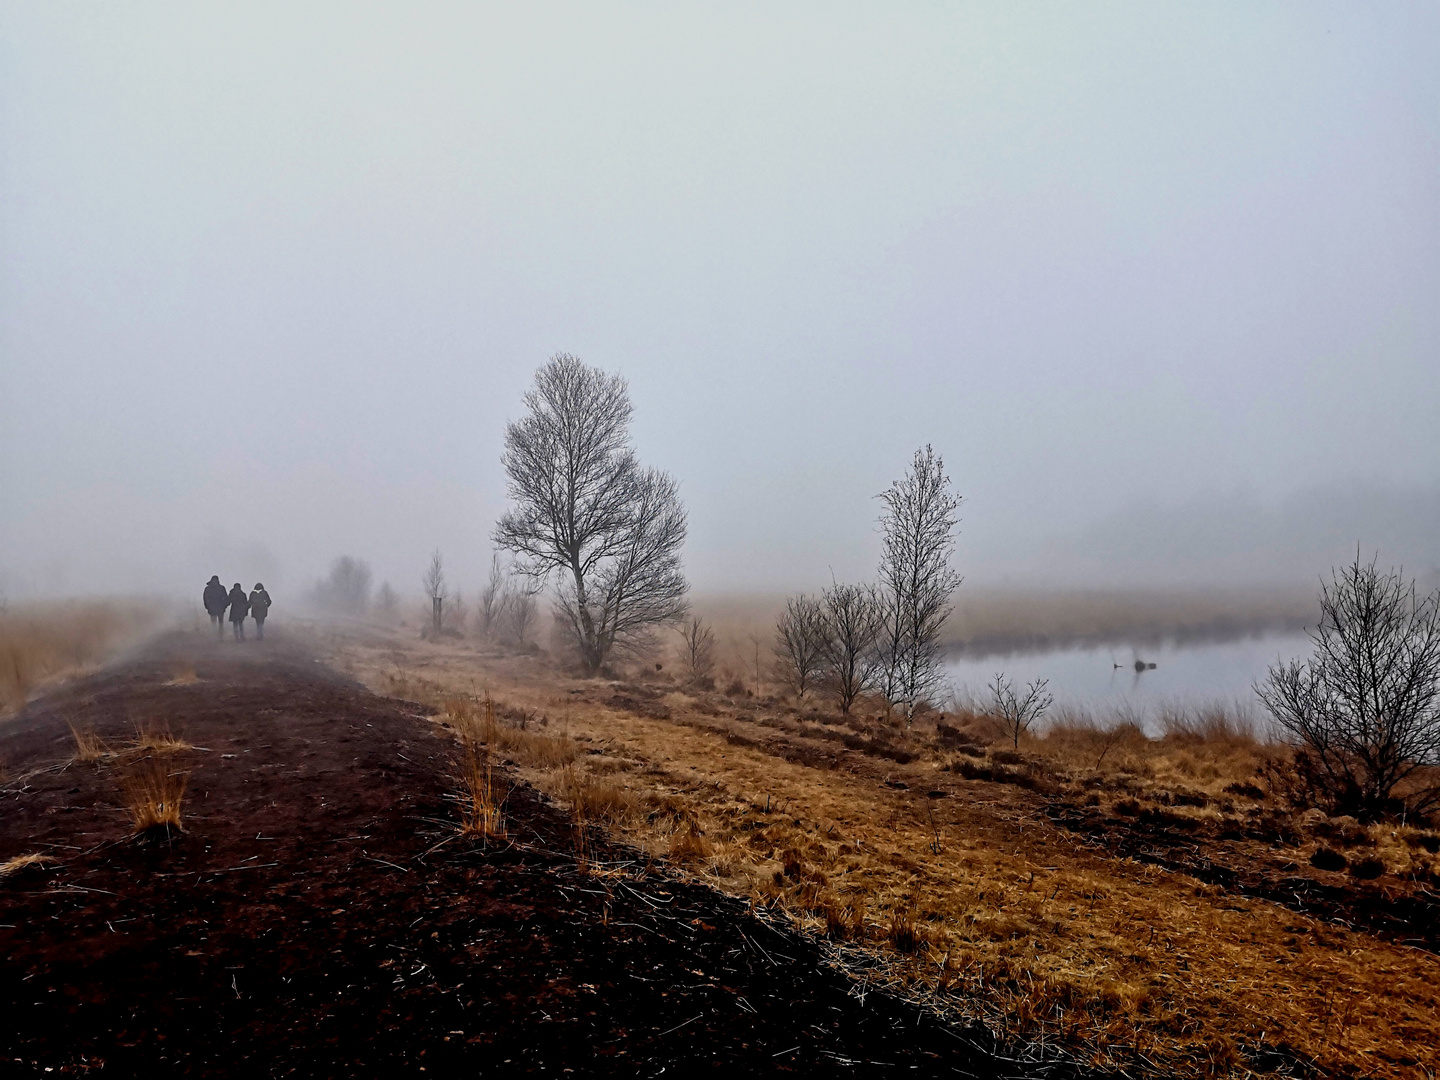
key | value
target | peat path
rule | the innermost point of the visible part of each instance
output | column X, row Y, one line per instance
column 319, row 916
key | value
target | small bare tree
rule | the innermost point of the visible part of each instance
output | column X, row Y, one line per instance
column 697, row 650
column 854, row 617
column 1362, row 710
column 437, row 590
column 916, row 581
column 517, row 615
column 346, row 590
column 386, row 600
column 586, row 510
column 800, row 644
column 492, row 598
column 457, row 611
column 1019, row 712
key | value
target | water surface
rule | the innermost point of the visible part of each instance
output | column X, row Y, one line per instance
column 1104, row 679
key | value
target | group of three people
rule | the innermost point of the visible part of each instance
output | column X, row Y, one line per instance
column 256, row 605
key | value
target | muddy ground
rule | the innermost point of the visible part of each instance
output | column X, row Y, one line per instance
column 319, row 916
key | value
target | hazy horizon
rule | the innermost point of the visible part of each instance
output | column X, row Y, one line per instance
column 1158, row 282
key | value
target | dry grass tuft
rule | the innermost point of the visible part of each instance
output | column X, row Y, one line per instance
column 153, row 793
column 155, row 738
column 88, row 745
column 184, row 676
column 689, row 845
column 481, row 807
column 20, row 863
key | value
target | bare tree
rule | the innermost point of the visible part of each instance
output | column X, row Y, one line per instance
column 800, row 644
column 697, row 650
column 1363, row 709
column 585, row 509
column 492, row 597
column 517, row 616
column 916, row 581
column 346, row 590
column 854, row 617
column 386, row 600
column 436, row 589
column 1018, row 712
column 457, row 611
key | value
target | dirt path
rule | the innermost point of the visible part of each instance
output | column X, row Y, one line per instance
column 319, row 917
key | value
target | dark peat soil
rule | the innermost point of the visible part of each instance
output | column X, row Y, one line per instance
column 319, row 916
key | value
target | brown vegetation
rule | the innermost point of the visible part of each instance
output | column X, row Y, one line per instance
column 154, row 790
column 42, row 643
column 969, row 874
column 481, row 805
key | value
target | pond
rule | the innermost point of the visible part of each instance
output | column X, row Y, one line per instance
column 1105, row 681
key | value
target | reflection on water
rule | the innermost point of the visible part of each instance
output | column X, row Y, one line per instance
column 1105, row 679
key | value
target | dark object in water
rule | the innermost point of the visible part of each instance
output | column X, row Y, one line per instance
column 1141, row 665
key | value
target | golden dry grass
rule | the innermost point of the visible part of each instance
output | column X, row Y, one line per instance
column 44, row 642
column 481, row 804
column 155, row 737
column 154, row 791
column 89, row 746
column 19, row 863
column 977, row 903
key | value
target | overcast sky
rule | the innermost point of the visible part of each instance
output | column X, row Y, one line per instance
column 272, row 278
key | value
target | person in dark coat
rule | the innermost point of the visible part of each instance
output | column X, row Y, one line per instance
column 216, row 601
column 239, row 608
column 259, row 608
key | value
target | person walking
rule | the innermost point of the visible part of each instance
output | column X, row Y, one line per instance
column 239, row 608
column 259, row 608
column 216, row 601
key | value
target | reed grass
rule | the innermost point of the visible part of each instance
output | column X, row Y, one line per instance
column 45, row 642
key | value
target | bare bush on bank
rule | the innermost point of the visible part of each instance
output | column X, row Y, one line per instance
column 1362, row 710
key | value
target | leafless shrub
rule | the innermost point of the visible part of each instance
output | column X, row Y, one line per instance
column 1018, row 712
column 518, row 616
column 386, row 600
column 1362, row 710
column 916, row 581
column 800, row 644
column 586, row 509
column 697, row 650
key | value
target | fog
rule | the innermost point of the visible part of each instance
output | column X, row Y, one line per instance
column 1158, row 281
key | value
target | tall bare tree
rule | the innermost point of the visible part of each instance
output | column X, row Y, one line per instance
column 586, row 511
column 437, row 589
column 916, row 581
column 1363, row 709
column 800, row 644
column 854, row 617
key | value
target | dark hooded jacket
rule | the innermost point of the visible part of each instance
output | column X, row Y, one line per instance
column 259, row 602
column 239, row 605
column 216, row 600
